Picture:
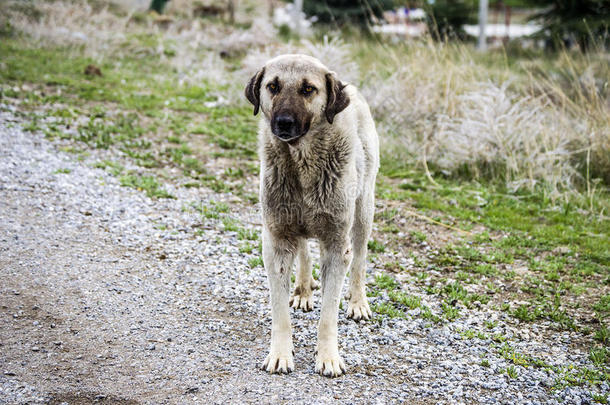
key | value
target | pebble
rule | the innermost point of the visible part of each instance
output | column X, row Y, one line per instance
column 117, row 281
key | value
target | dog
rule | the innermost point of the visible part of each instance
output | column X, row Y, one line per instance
column 319, row 158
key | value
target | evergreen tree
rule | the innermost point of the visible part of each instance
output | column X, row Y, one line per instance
column 158, row 5
column 573, row 21
column 446, row 18
column 342, row 12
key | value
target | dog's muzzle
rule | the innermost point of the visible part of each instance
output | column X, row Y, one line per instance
column 287, row 128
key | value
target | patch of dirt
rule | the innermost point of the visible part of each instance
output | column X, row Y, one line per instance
column 80, row 398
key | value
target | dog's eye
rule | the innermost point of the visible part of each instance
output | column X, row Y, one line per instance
column 273, row 88
column 307, row 90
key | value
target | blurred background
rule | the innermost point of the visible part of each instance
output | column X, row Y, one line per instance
column 512, row 92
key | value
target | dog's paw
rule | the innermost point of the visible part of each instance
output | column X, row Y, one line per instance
column 359, row 309
column 301, row 301
column 330, row 365
column 278, row 363
column 302, row 297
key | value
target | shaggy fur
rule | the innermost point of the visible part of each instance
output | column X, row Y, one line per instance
column 319, row 158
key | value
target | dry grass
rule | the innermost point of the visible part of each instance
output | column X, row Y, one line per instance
column 541, row 123
column 98, row 31
column 528, row 126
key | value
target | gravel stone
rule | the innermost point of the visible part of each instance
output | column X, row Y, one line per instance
column 107, row 282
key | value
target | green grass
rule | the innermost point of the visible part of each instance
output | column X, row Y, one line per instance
column 148, row 184
column 602, row 335
column 603, row 306
column 139, row 108
column 247, row 234
column 113, row 167
column 255, row 262
column 230, row 224
column 409, row 301
column 375, row 246
column 600, row 356
column 384, row 281
column 385, row 308
column 212, row 210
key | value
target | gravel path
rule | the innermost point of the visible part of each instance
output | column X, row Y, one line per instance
column 99, row 303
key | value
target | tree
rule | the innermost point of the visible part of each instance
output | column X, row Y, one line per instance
column 341, row 12
column 565, row 22
column 446, row 18
column 158, row 5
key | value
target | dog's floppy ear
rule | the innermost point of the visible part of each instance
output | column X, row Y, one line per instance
column 253, row 89
column 337, row 97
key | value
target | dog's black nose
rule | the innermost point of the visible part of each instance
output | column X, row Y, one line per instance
column 285, row 126
column 284, row 123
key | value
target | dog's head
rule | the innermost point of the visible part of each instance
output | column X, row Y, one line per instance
column 295, row 93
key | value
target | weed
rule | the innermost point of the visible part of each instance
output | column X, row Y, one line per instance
column 603, row 306
column 174, row 139
column 427, row 314
column 511, row 372
column 602, row 335
column 230, row 224
column 113, row 167
column 409, row 301
column 212, row 210
column 247, row 234
column 527, row 313
column 254, row 262
column 394, row 266
column 246, row 247
column 450, row 312
column 386, row 308
column 599, row 356
column 234, row 172
column 376, row 246
column 146, row 183
column 384, row 281
column 418, row 236
column 491, row 324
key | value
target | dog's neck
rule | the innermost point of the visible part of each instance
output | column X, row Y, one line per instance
column 318, row 153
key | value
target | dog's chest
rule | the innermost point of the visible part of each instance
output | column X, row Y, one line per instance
column 297, row 202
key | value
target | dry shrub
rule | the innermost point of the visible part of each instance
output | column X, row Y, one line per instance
column 439, row 105
column 542, row 123
column 334, row 53
column 521, row 140
column 69, row 23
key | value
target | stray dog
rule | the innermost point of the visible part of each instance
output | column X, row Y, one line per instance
column 319, row 159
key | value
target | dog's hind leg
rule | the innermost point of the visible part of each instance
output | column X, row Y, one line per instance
column 358, row 306
column 336, row 257
column 302, row 297
column 278, row 256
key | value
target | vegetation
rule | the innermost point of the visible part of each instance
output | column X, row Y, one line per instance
column 492, row 190
column 567, row 22
column 343, row 12
column 445, row 18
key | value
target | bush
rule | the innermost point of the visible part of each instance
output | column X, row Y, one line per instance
column 567, row 22
column 446, row 18
column 342, row 12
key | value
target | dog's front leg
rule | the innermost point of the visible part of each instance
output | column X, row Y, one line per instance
column 278, row 256
column 336, row 258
